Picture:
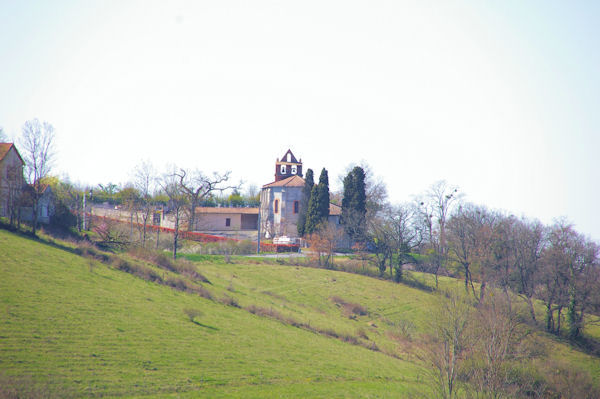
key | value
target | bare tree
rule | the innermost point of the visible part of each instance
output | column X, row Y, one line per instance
column 559, row 260
column 405, row 235
column 178, row 200
column 381, row 234
column 323, row 242
column 470, row 236
column 196, row 186
column 144, row 178
column 445, row 348
column 37, row 143
column 435, row 207
column 497, row 332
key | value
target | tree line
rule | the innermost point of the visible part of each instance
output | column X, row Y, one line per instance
column 442, row 234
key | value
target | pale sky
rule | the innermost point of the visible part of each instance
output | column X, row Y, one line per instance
column 499, row 98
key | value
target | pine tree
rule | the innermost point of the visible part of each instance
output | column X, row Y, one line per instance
column 308, row 185
column 354, row 204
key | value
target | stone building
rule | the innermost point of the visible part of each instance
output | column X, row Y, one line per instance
column 280, row 200
column 11, row 179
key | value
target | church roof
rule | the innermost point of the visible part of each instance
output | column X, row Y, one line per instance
column 293, row 181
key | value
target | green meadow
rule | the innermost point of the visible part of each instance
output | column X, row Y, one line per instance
column 75, row 326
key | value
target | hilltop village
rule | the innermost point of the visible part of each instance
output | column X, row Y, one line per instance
column 281, row 204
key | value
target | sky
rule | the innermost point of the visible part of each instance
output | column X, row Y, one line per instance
column 498, row 98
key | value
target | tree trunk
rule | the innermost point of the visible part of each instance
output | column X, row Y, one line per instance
column 531, row 309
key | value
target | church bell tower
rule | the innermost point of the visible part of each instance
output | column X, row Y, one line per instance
column 288, row 166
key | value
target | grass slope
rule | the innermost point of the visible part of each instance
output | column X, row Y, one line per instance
column 79, row 331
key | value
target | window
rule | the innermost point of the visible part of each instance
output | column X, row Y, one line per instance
column 276, row 206
column 283, row 170
column 289, row 157
column 294, row 169
column 296, row 206
column 227, row 222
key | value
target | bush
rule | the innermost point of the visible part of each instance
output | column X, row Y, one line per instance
column 349, row 309
column 192, row 313
column 229, row 301
column 143, row 272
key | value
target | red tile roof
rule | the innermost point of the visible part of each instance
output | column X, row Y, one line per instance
column 5, row 148
column 335, row 210
column 216, row 210
column 293, row 181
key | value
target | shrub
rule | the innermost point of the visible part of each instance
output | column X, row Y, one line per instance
column 229, row 301
column 362, row 333
column 349, row 309
column 137, row 270
column 192, row 313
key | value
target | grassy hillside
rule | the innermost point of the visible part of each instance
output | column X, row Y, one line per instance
column 71, row 326
column 84, row 331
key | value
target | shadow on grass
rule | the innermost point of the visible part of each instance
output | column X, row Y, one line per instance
column 205, row 326
column 414, row 283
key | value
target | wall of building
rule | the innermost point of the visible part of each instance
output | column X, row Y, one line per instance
column 11, row 180
column 218, row 221
column 284, row 222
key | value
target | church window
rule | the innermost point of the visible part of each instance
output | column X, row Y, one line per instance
column 283, row 170
column 294, row 169
column 276, row 206
column 296, row 206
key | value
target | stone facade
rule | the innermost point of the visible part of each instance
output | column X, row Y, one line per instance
column 280, row 206
column 11, row 178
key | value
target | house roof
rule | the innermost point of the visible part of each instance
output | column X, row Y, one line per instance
column 229, row 211
column 293, row 181
column 5, row 148
column 334, row 210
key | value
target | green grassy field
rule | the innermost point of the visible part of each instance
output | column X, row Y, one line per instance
column 70, row 326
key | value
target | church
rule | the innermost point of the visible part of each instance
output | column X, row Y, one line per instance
column 280, row 200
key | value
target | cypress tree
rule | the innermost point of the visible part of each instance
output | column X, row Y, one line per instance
column 312, row 214
column 318, row 205
column 324, row 194
column 354, row 204
column 306, row 190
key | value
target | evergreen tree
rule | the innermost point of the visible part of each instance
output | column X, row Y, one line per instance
column 354, row 204
column 308, row 185
column 318, row 205
column 324, row 194
column 312, row 214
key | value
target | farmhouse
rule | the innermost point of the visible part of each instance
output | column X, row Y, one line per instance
column 11, row 179
column 45, row 205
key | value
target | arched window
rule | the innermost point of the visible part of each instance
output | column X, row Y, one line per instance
column 283, row 170
column 294, row 169
column 276, row 206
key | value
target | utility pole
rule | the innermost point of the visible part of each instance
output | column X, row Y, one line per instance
column 83, row 210
column 258, row 236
